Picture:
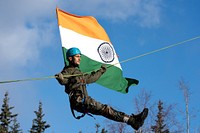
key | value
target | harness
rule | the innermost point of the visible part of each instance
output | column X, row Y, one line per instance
column 72, row 110
column 73, row 97
column 83, row 109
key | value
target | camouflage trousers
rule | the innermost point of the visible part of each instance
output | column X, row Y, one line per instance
column 89, row 105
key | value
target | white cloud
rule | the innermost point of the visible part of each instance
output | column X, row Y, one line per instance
column 17, row 47
column 149, row 14
column 24, row 31
column 146, row 13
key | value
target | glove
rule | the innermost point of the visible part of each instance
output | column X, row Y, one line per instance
column 103, row 68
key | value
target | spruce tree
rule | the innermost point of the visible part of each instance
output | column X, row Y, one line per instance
column 1, row 129
column 6, row 116
column 38, row 125
column 160, row 126
column 15, row 127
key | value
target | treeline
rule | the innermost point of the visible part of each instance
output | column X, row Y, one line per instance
column 9, row 123
column 162, row 118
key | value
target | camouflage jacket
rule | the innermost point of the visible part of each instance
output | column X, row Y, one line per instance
column 79, row 80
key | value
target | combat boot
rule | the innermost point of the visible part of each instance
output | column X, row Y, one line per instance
column 136, row 121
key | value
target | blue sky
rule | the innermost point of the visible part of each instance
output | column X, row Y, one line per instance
column 30, row 47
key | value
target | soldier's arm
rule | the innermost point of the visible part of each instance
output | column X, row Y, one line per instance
column 94, row 76
column 61, row 77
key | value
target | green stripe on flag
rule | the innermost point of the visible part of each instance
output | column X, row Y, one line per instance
column 64, row 50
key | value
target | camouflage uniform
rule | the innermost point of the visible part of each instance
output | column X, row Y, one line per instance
column 75, row 87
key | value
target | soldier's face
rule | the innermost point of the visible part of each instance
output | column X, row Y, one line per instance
column 76, row 60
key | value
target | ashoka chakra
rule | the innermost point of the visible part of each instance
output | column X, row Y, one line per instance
column 106, row 52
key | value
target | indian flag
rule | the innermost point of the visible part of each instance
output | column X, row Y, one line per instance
column 85, row 33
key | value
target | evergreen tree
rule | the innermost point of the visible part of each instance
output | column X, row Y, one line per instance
column 160, row 126
column 15, row 127
column 6, row 115
column 38, row 125
column 1, row 129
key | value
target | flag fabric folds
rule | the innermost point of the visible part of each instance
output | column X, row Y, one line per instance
column 85, row 33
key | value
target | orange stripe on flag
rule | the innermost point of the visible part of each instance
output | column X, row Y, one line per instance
column 85, row 25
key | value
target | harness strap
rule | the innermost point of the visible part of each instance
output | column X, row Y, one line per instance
column 72, row 110
column 77, row 117
column 84, row 110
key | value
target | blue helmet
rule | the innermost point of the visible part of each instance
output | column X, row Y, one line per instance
column 72, row 51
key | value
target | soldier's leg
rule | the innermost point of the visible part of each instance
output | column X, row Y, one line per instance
column 97, row 108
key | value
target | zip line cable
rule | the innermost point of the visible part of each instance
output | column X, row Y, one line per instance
column 158, row 50
column 129, row 59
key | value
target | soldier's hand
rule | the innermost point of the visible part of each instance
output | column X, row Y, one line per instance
column 103, row 68
column 59, row 76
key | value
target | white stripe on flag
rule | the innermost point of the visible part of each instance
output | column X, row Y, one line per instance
column 87, row 45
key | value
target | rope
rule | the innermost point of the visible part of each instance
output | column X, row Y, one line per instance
column 133, row 58
column 28, row 79
column 32, row 79
column 158, row 50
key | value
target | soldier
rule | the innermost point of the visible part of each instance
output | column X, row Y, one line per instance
column 75, row 87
